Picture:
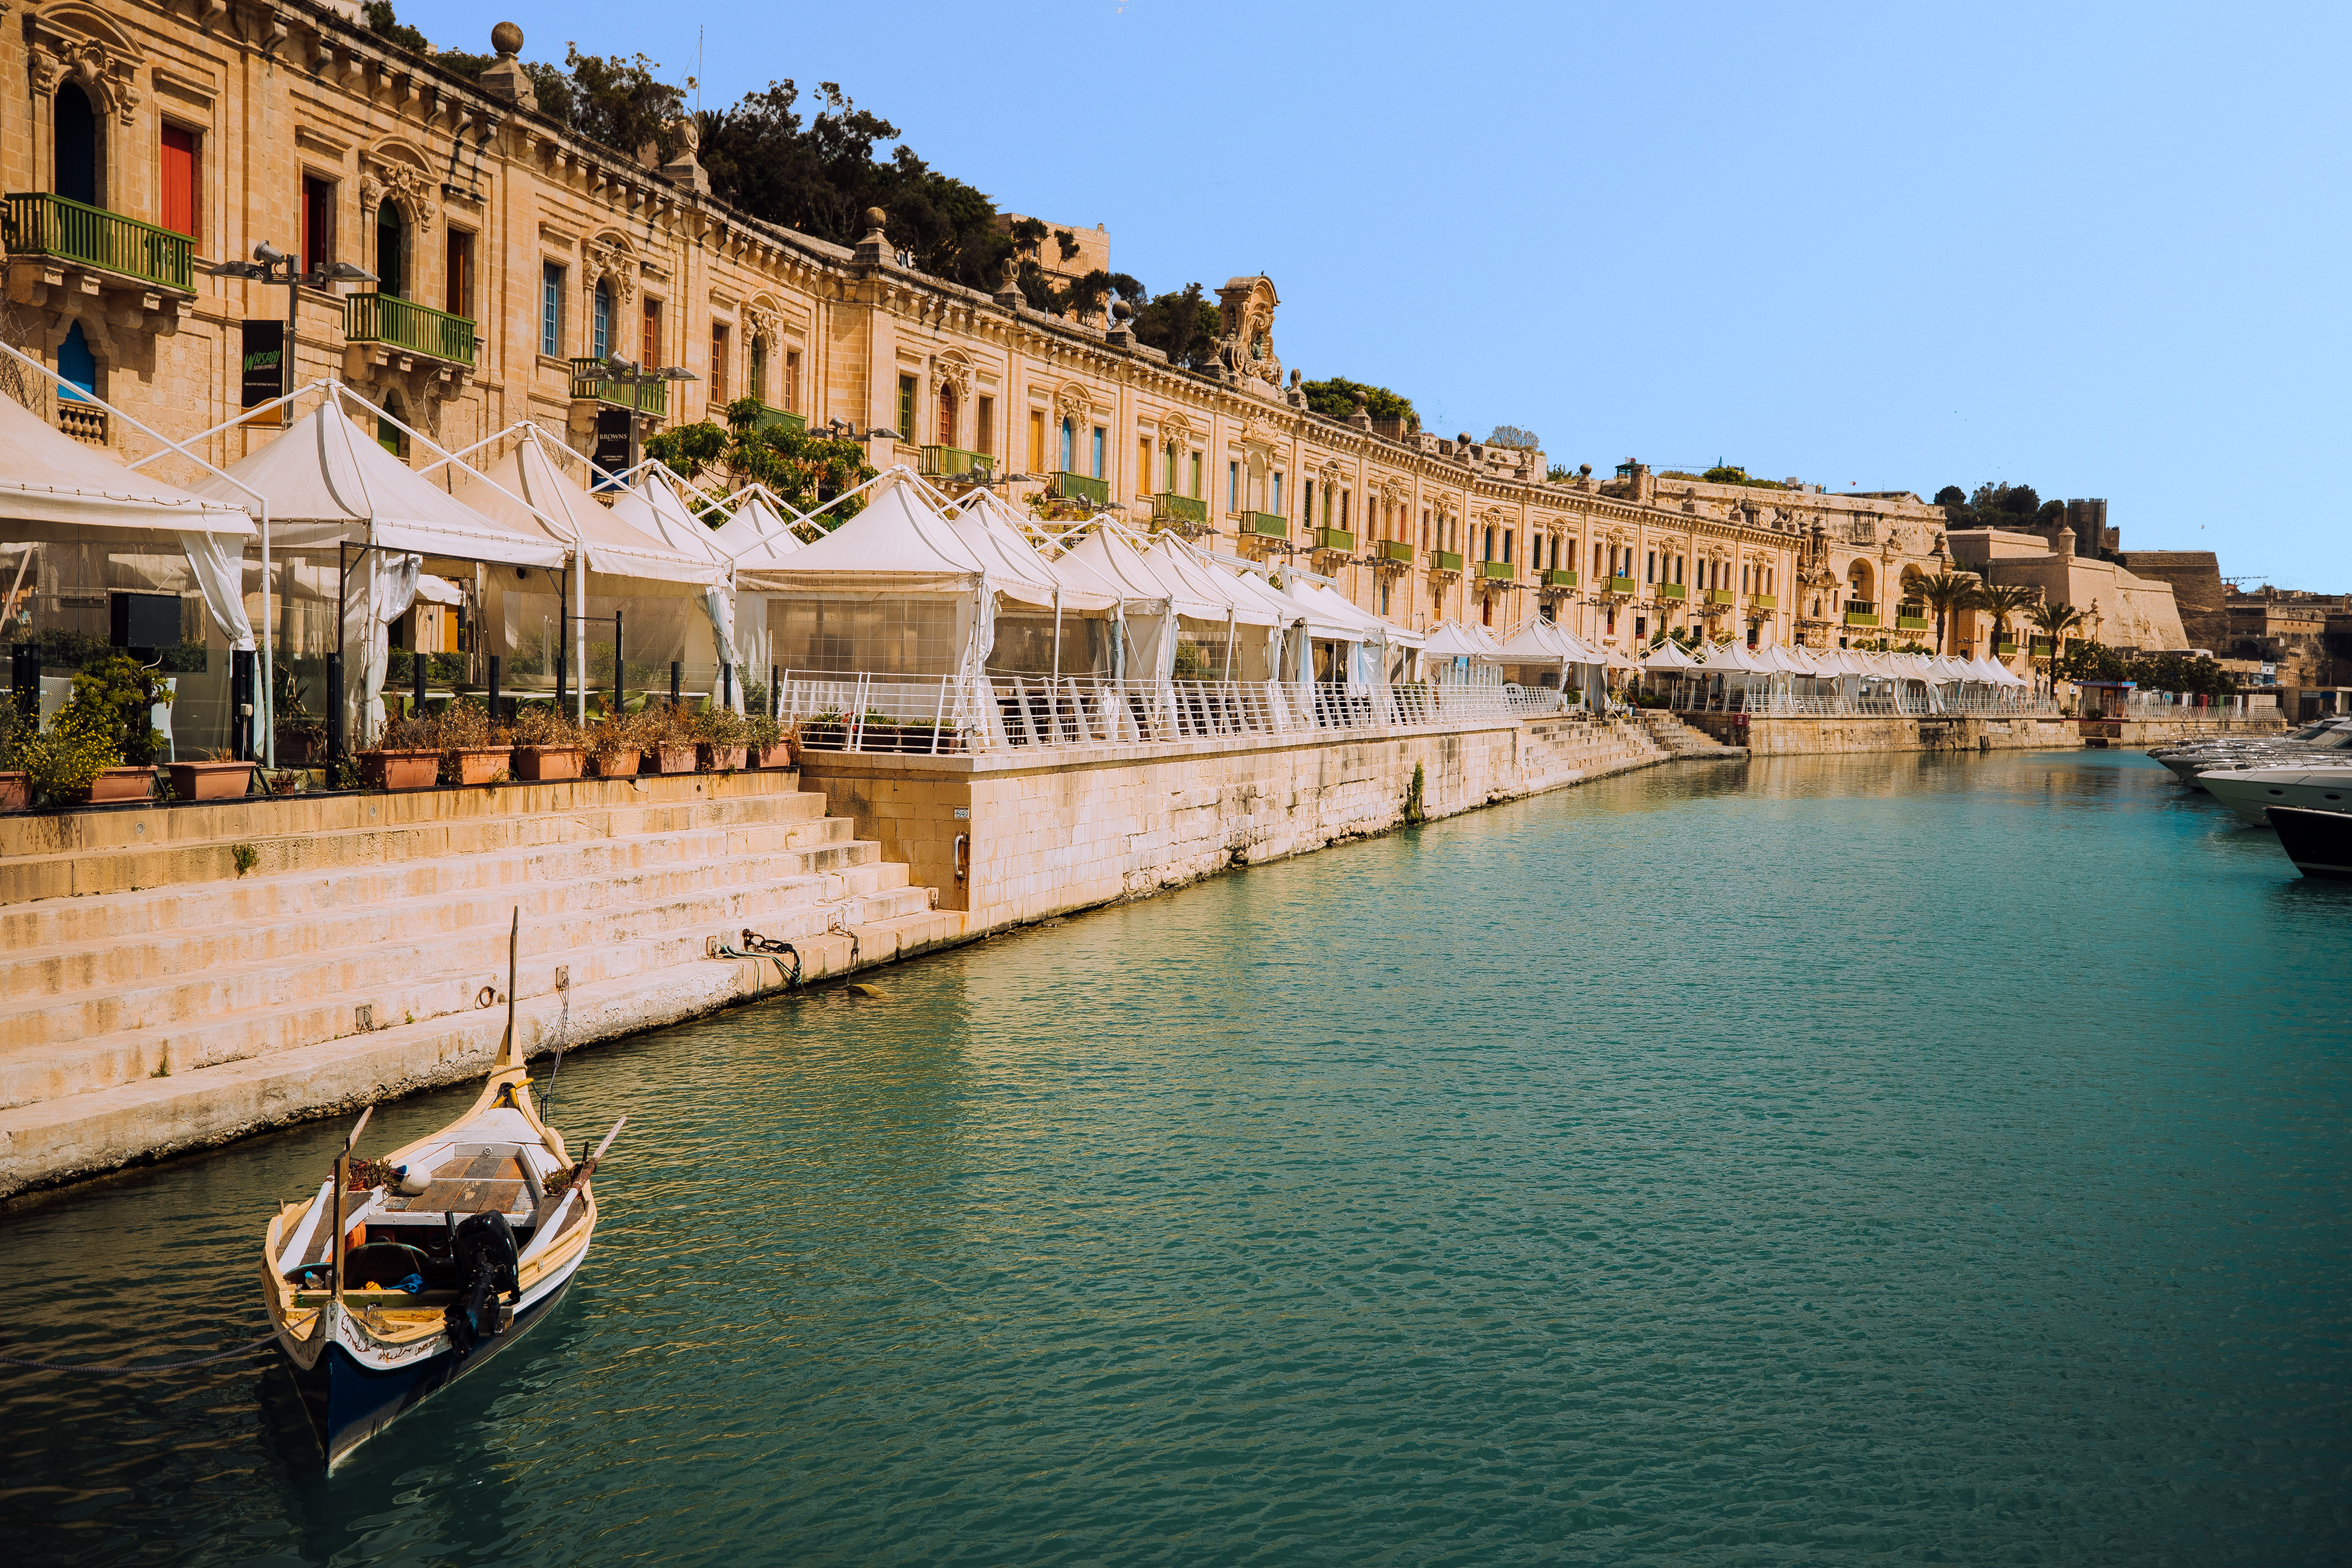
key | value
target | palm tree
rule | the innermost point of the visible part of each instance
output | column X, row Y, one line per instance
column 2003, row 602
column 1946, row 592
column 2056, row 620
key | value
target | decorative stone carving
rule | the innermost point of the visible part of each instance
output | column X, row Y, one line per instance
column 1075, row 403
column 953, row 370
column 505, row 77
column 410, row 187
column 1246, row 348
column 613, row 264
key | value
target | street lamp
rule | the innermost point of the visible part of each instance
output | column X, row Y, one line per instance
column 628, row 373
column 271, row 265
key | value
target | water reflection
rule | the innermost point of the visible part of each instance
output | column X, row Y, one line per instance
column 1648, row 1171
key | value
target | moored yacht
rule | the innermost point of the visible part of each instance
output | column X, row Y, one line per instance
column 2251, row 791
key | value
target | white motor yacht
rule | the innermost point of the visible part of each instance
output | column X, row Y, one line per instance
column 2321, row 741
column 2251, row 791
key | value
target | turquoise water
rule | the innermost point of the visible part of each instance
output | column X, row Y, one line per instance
column 1886, row 1160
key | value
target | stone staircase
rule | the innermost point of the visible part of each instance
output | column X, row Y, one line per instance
column 1680, row 740
column 1568, row 750
column 175, row 977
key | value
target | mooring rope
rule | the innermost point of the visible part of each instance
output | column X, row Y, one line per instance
column 140, row 1370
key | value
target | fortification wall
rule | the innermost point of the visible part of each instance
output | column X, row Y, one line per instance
column 1798, row 737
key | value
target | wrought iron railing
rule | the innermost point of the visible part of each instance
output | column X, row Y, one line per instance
column 1395, row 549
column 1860, row 618
column 779, row 419
column 1763, row 601
column 42, row 222
column 1265, row 526
column 1446, row 561
column 405, row 324
column 1673, row 591
column 1618, row 585
column 1560, row 577
column 1338, row 539
column 1498, row 571
column 1719, row 597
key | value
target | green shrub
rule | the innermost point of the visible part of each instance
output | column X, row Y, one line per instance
column 67, row 757
column 118, row 694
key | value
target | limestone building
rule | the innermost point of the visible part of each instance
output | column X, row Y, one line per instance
column 146, row 142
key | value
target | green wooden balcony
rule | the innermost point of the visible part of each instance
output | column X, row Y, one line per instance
column 588, row 381
column 2041, row 648
column 1719, row 597
column 1264, row 525
column 1395, row 549
column 41, row 223
column 411, row 328
column 1068, row 486
column 1169, row 507
column 1763, row 601
column 1498, row 571
column 1446, row 561
column 1673, row 591
column 947, row 462
column 1860, row 619
column 1618, row 585
column 1338, row 539
column 779, row 419
column 2004, row 650
column 1560, row 577
column 1903, row 622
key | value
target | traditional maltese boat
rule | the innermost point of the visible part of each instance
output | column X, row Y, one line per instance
column 405, row 1273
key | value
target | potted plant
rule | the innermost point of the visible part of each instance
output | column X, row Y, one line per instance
column 406, row 755
column 474, row 747
column 825, row 732
column 64, row 762
column 669, row 737
column 119, row 695
column 770, row 743
column 218, row 776
column 614, row 746
column 724, row 736
column 548, row 745
column 15, row 785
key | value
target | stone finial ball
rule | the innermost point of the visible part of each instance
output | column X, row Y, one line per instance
column 875, row 218
column 506, row 38
column 1121, row 311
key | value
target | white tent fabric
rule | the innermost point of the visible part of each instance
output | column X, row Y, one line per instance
column 756, row 536
column 655, row 508
column 1451, row 639
column 329, row 483
column 1668, row 656
column 435, row 590
column 221, row 578
column 47, row 477
column 898, row 543
column 718, row 604
column 377, row 590
column 996, row 537
column 615, row 546
column 1149, row 606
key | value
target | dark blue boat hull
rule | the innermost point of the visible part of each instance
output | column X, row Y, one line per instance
column 348, row 1403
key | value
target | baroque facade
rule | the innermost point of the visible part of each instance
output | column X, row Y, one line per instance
column 151, row 138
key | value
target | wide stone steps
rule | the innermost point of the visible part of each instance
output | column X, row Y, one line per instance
column 271, row 1005
column 296, row 910
column 1680, row 740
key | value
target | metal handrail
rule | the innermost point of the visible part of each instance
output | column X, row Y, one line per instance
column 42, row 222
column 380, row 318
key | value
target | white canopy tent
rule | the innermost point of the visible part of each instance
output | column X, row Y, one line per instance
column 330, row 486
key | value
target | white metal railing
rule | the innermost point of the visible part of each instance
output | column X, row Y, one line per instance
column 1895, row 704
column 936, row 715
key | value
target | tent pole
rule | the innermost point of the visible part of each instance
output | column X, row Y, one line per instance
column 580, row 634
column 267, row 707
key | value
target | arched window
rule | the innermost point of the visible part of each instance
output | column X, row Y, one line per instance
column 77, row 364
column 77, row 147
column 759, row 387
column 390, row 250
column 600, row 331
column 947, row 413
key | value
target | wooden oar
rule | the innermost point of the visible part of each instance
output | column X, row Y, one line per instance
column 552, row 1207
column 342, row 1180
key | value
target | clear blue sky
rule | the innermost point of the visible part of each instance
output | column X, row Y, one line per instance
column 2098, row 249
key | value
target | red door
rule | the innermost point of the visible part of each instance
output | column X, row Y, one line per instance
column 179, row 180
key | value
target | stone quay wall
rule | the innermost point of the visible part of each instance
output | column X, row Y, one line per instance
column 1010, row 838
column 1800, row 737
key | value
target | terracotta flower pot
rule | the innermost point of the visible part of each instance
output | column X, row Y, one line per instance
column 15, row 791
column 299, row 748
column 619, row 766
column 779, row 755
column 542, row 764
column 114, row 785
column 477, row 764
column 673, row 759
column 721, row 759
column 211, row 781
column 400, row 769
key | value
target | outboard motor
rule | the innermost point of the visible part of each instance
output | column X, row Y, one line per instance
column 484, row 1247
